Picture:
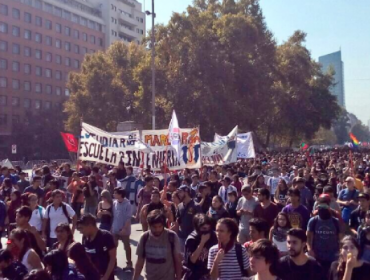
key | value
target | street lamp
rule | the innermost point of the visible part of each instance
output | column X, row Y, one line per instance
column 153, row 63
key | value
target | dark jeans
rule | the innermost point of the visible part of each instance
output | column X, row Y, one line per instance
column 76, row 206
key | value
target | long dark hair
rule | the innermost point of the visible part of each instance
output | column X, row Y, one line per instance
column 21, row 234
column 276, row 224
column 342, row 262
column 66, row 227
column 256, row 184
column 15, row 204
column 83, row 263
column 233, row 228
column 219, row 198
column 58, row 261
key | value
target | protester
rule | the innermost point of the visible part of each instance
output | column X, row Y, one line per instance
column 217, row 210
column 83, row 263
column 231, row 205
column 357, row 217
column 203, row 198
column 99, row 245
column 258, row 229
column 297, row 265
column 64, row 237
column 226, row 188
column 154, row 204
column 121, row 225
column 159, row 250
column 266, row 209
column 36, row 189
column 350, row 266
column 105, row 210
column 75, row 187
column 347, row 198
column 22, row 183
column 306, row 197
column 297, row 213
column 38, row 212
column 364, row 237
column 11, row 269
column 281, row 194
column 14, row 203
column 246, row 205
column 278, row 233
column 91, row 192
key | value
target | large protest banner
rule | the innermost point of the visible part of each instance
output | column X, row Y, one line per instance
column 245, row 145
column 157, row 140
column 222, row 151
column 100, row 146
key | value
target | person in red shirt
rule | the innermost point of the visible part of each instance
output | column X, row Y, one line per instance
column 266, row 210
column 258, row 229
column 75, row 187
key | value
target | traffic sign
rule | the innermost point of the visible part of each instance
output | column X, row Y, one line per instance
column 14, row 149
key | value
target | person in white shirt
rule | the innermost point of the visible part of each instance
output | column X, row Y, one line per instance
column 38, row 212
column 58, row 212
column 226, row 188
column 273, row 182
column 246, row 205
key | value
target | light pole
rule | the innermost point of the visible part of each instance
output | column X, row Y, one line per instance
column 153, row 63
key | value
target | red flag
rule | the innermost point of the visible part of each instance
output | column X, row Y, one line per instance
column 70, row 141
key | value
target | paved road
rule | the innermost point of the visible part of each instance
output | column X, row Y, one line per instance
column 121, row 257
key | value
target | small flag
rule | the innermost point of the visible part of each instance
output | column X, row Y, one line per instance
column 304, row 146
column 174, row 134
column 354, row 140
column 70, row 141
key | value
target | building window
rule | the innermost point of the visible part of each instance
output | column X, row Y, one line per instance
column 26, row 103
column 3, row 64
column 27, row 51
column 66, row 15
column 48, row 8
column 58, row 28
column 3, row 82
column 92, row 39
column 49, row 57
column 38, row 71
column 38, row 4
column 84, row 50
column 76, row 49
column 75, row 18
column 48, row 25
column 67, row 31
column 101, row 42
column 66, row 92
column 84, row 37
column 15, row 101
column 3, row 9
column 58, row 75
column 76, row 64
column 47, row 105
column 3, row 46
column 58, row 11
column 3, row 27
column 67, row 61
column 27, row 34
column 67, row 46
column 38, row 54
column 49, row 41
column 83, row 21
column 3, row 100
column 15, row 66
column 38, row 88
column 58, row 43
column 3, row 119
column 16, row 48
column 37, row 104
column 76, row 34
column 27, row 68
column 15, row 118
column 27, row 17
column 38, row 38
column 58, row 91
column 16, row 13
column 58, row 59
column 49, row 89
column 48, row 73
column 27, row 86
column 38, row 21
column 16, row 84
column 16, row 31
column 91, row 24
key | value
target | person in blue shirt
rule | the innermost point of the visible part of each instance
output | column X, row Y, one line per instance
column 348, row 199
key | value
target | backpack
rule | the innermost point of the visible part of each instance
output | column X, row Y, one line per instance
column 171, row 239
column 65, row 212
column 40, row 212
column 335, row 221
column 239, row 257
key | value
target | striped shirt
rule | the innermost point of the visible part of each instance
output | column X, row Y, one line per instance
column 229, row 268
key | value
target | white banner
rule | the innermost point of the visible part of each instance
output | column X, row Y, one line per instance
column 222, row 151
column 100, row 146
column 157, row 141
column 246, row 146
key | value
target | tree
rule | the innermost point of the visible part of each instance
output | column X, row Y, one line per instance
column 361, row 132
column 324, row 137
column 341, row 127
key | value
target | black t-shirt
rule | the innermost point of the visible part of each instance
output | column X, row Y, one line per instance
column 358, row 273
column 206, row 204
column 185, row 215
column 199, row 268
column 67, row 173
column 311, row 270
column 98, row 250
column 357, row 218
column 39, row 191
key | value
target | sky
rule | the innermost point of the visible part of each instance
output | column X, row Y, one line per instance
column 330, row 25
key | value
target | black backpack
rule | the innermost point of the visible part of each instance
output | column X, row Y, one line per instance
column 239, row 257
column 65, row 212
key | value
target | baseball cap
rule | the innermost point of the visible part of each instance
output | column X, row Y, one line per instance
column 184, row 188
column 364, row 195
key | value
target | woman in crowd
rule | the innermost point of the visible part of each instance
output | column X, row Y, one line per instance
column 259, row 183
column 105, row 212
column 231, row 204
column 83, row 263
column 38, row 212
column 56, row 262
column 6, row 190
column 281, row 194
column 350, row 266
column 278, row 233
column 27, row 256
column 64, row 237
column 363, row 234
column 14, row 203
column 90, row 191
column 264, row 260
column 217, row 210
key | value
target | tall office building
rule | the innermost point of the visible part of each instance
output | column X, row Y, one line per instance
column 334, row 60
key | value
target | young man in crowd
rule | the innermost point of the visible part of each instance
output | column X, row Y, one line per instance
column 55, row 213
column 297, row 213
column 22, row 183
column 273, row 181
column 306, row 196
column 348, row 199
column 358, row 216
column 226, row 188
column 203, row 197
column 75, row 188
column 258, row 229
column 159, row 250
column 121, row 226
column 155, row 203
column 266, row 210
column 36, row 189
column 246, row 205
column 297, row 265
column 99, row 245
column 216, row 185
column 195, row 183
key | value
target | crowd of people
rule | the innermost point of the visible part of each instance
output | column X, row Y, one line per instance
column 279, row 216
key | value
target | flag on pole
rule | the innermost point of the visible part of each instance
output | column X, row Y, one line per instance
column 304, row 146
column 70, row 141
column 355, row 142
column 174, row 134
